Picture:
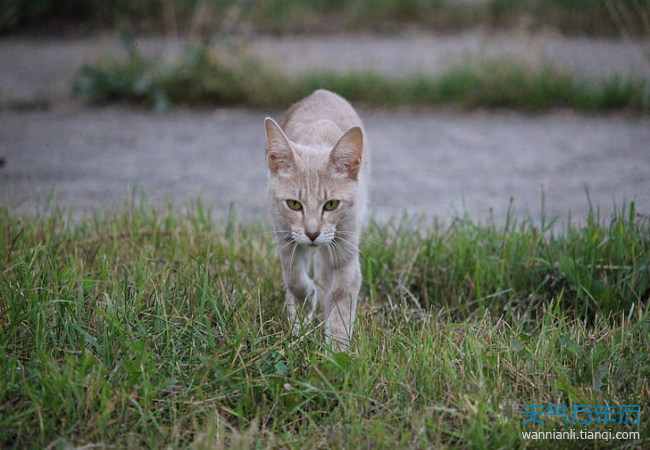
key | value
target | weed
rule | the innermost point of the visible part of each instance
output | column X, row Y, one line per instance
column 207, row 76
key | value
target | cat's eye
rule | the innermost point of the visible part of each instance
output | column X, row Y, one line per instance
column 294, row 205
column 331, row 205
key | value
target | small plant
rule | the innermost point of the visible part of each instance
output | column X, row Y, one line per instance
column 208, row 76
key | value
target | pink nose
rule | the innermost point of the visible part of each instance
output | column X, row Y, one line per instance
column 313, row 235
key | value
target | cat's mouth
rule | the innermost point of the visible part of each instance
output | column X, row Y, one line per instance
column 308, row 243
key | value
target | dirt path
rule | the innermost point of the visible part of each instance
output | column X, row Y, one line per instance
column 434, row 163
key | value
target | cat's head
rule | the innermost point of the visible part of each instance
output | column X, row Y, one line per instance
column 313, row 191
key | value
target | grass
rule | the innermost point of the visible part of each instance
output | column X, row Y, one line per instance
column 592, row 17
column 165, row 328
column 207, row 76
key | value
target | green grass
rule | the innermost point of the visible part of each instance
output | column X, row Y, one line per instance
column 208, row 76
column 158, row 328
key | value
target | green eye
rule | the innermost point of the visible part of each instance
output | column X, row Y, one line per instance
column 294, row 204
column 331, row 205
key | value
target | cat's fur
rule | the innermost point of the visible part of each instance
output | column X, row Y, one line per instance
column 318, row 153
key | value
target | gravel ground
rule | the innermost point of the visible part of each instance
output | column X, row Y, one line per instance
column 436, row 163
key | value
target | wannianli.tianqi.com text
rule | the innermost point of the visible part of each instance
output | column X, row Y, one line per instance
column 573, row 434
column 582, row 415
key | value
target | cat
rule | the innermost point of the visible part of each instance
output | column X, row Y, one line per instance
column 318, row 167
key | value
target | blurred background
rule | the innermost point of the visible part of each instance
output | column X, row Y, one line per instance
column 485, row 107
column 207, row 17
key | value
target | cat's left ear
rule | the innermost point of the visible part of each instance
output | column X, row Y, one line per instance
column 345, row 157
column 279, row 155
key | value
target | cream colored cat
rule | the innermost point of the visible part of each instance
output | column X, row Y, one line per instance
column 318, row 174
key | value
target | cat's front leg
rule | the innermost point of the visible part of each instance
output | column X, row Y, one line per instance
column 301, row 291
column 341, row 304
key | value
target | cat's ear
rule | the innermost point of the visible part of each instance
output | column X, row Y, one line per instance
column 345, row 157
column 279, row 155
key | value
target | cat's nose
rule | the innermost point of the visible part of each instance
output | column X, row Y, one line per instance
column 313, row 235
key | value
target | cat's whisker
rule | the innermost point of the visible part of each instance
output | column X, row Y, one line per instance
column 274, row 232
column 328, row 246
column 288, row 243
column 348, row 232
column 353, row 248
column 362, row 237
column 293, row 252
column 284, row 235
column 339, row 252
column 333, row 255
column 279, row 230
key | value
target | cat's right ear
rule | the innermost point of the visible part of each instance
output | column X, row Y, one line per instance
column 279, row 155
